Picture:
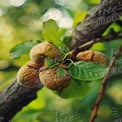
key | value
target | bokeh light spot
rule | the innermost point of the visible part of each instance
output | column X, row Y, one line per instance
column 17, row 3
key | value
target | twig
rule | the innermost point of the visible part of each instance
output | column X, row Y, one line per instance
column 73, row 53
column 103, row 87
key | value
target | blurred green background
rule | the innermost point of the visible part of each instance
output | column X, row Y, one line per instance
column 21, row 21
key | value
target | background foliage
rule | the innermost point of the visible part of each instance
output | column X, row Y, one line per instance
column 22, row 21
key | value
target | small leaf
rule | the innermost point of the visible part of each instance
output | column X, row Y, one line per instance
column 61, row 72
column 48, row 62
column 75, row 90
column 79, row 17
column 62, row 31
column 64, row 48
column 51, row 32
column 67, row 40
column 87, row 70
column 98, row 47
column 94, row 1
column 22, row 48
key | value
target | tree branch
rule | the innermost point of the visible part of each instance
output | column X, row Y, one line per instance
column 85, row 46
column 96, row 22
column 15, row 97
column 103, row 87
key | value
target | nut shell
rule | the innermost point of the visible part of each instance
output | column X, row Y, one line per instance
column 93, row 56
column 51, row 80
column 28, row 75
column 45, row 49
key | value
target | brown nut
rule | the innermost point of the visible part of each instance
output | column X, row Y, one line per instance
column 93, row 56
column 28, row 75
column 51, row 80
column 44, row 49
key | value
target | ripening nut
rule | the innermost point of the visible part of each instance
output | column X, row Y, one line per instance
column 93, row 56
column 28, row 75
column 52, row 80
column 44, row 49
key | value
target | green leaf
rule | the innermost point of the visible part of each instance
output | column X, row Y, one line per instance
column 64, row 48
column 51, row 32
column 98, row 47
column 22, row 48
column 94, row 1
column 48, row 62
column 75, row 90
column 79, row 17
column 62, row 31
column 87, row 70
column 61, row 72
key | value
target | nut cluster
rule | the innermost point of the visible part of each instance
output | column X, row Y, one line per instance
column 31, row 74
column 34, row 74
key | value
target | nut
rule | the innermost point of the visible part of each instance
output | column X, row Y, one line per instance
column 93, row 56
column 52, row 80
column 28, row 75
column 45, row 49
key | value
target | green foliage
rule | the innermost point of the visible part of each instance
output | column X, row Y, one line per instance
column 22, row 48
column 51, row 32
column 48, row 62
column 62, row 31
column 94, row 1
column 61, row 72
column 24, row 23
column 76, row 90
column 87, row 70
column 79, row 17
column 98, row 47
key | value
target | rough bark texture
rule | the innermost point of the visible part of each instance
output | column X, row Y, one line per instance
column 14, row 97
column 96, row 22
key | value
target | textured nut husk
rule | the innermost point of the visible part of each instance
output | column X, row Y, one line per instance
column 93, row 56
column 28, row 75
column 44, row 49
column 51, row 80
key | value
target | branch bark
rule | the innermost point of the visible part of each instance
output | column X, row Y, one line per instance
column 96, row 22
column 103, row 87
column 14, row 97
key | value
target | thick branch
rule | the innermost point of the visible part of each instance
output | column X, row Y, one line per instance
column 96, row 22
column 13, row 98
column 103, row 87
